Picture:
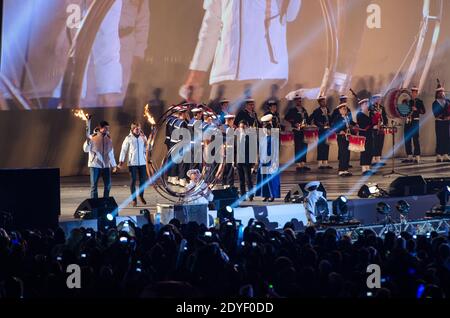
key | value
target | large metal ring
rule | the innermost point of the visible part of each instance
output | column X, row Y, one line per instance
column 211, row 174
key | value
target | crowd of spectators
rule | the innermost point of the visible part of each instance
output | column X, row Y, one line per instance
column 191, row 260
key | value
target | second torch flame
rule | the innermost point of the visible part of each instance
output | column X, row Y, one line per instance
column 79, row 113
column 149, row 116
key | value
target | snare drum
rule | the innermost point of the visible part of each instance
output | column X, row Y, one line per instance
column 332, row 139
column 287, row 138
column 390, row 130
column 356, row 143
column 311, row 134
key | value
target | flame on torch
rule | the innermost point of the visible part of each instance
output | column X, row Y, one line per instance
column 149, row 116
column 79, row 113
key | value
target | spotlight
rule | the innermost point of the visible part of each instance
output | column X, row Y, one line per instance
column 403, row 208
column 225, row 213
column 442, row 209
column 340, row 207
column 371, row 190
column 106, row 221
column 383, row 208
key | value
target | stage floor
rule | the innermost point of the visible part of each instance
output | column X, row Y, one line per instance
column 76, row 189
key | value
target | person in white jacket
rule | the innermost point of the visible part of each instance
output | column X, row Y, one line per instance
column 36, row 61
column 244, row 40
column 134, row 148
column 101, row 159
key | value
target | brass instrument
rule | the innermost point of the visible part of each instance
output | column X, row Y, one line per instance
column 327, row 122
column 303, row 124
column 409, row 118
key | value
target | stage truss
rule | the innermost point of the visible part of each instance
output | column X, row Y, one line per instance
column 416, row 227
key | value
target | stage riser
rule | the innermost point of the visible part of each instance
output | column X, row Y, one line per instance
column 363, row 210
column 276, row 216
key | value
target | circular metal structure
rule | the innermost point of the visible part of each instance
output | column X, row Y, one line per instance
column 157, row 169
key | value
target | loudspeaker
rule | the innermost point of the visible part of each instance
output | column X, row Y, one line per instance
column 98, row 209
column 434, row 185
column 409, row 185
column 225, row 197
column 31, row 196
column 299, row 191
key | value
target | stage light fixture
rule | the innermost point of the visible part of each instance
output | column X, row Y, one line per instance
column 340, row 207
column 403, row 208
column 383, row 208
column 109, row 217
column 225, row 213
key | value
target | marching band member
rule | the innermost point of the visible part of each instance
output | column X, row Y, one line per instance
column 441, row 111
column 195, row 124
column 342, row 125
column 172, row 173
column 210, row 132
column 245, row 168
column 321, row 118
column 248, row 114
column 379, row 120
column 228, row 172
column 134, row 147
column 196, row 203
column 412, row 127
column 365, row 128
column 101, row 159
column 298, row 118
column 342, row 100
column 273, row 110
column 312, row 202
column 224, row 105
column 178, row 170
column 268, row 176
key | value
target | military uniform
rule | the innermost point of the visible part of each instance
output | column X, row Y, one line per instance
column 365, row 125
column 195, row 125
column 322, row 119
column 228, row 172
column 178, row 170
column 342, row 124
column 379, row 119
column 249, row 117
column 411, row 129
column 297, row 117
column 441, row 111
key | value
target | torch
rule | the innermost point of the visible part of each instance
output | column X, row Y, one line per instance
column 79, row 113
column 148, row 115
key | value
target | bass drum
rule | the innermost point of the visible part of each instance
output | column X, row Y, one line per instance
column 398, row 103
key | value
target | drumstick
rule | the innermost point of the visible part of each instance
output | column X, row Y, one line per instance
column 354, row 94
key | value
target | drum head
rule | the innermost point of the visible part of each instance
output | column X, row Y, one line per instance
column 398, row 100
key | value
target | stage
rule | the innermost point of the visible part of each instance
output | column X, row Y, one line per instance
column 75, row 189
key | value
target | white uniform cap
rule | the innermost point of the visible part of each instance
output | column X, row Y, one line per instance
column 190, row 172
column 266, row 118
column 312, row 184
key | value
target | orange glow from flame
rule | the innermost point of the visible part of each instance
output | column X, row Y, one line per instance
column 149, row 116
column 79, row 113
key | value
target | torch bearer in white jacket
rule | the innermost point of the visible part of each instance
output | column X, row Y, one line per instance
column 79, row 113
